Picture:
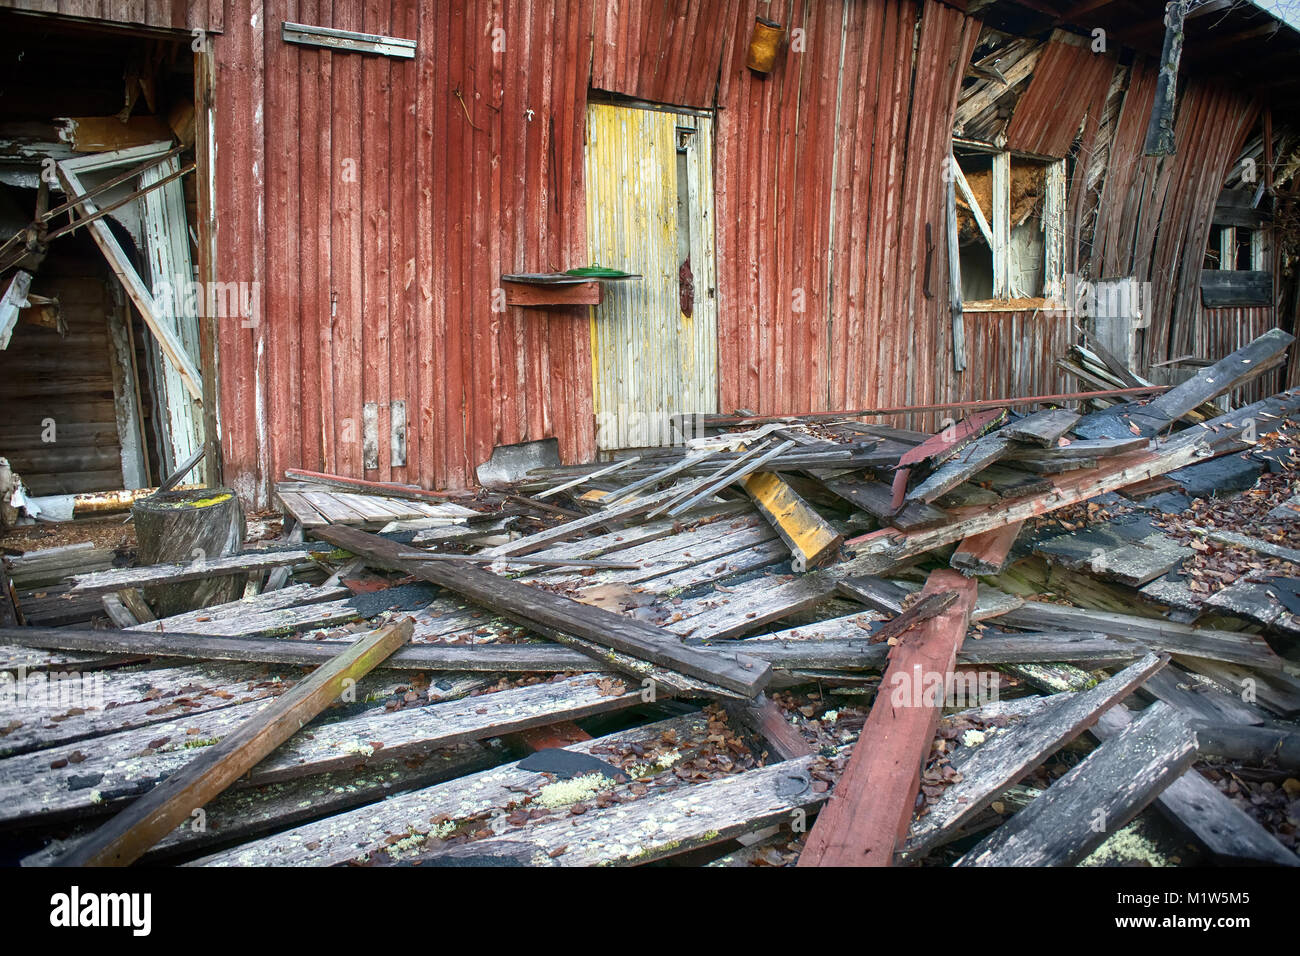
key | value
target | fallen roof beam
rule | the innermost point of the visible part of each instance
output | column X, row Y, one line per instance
column 134, row 830
column 940, row 448
column 871, row 806
column 969, row 461
column 534, row 607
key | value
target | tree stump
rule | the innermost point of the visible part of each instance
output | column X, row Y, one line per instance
column 181, row 527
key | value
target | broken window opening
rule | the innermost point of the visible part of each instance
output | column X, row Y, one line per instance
column 1012, row 239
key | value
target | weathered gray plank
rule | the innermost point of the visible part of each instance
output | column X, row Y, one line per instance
column 656, row 826
column 124, row 765
column 1096, row 798
column 405, row 824
column 537, row 608
column 1015, row 751
column 118, row 578
column 1191, row 801
column 1158, row 634
column 972, row 459
column 1043, row 428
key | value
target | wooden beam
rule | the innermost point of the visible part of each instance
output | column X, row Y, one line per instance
column 656, row 826
column 940, row 448
column 146, row 821
column 871, row 806
column 275, row 650
column 171, row 346
column 1223, row 376
column 1001, row 225
column 959, row 178
column 1159, row 634
column 1160, row 128
column 811, row 539
column 879, row 551
column 536, row 608
column 1192, row 802
column 1015, row 751
column 1096, row 798
column 968, row 462
column 115, row 579
column 986, row 553
column 1043, row 429
column 767, row 721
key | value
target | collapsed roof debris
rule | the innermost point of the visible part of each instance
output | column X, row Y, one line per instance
column 820, row 642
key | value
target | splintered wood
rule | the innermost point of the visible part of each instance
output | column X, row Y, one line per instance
column 870, row 810
column 806, row 640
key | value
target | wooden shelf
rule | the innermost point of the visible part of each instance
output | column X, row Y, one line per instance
column 541, row 295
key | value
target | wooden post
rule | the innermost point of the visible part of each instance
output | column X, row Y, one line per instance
column 128, row 835
column 184, row 527
column 1160, row 131
column 204, row 181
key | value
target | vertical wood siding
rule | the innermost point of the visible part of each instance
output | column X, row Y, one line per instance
column 1069, row 81
column 166, row 14
column 1153, row 221
column 829, row 170
column 377, row 202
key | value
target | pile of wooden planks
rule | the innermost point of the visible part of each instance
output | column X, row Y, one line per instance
column 814, row 641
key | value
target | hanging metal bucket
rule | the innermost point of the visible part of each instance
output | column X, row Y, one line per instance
column 764, row 44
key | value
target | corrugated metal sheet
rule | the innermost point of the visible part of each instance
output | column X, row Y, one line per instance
column 167, row 14
column 1069, row 81
column 650, row 360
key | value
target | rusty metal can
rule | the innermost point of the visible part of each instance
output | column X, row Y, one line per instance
column 764, row 44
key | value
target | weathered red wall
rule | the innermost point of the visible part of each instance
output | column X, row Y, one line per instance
column 377, row 216
column 166, row 14
column 828, row 171
column 378, row 201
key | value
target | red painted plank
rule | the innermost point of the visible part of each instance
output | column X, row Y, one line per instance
column 871, row 807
